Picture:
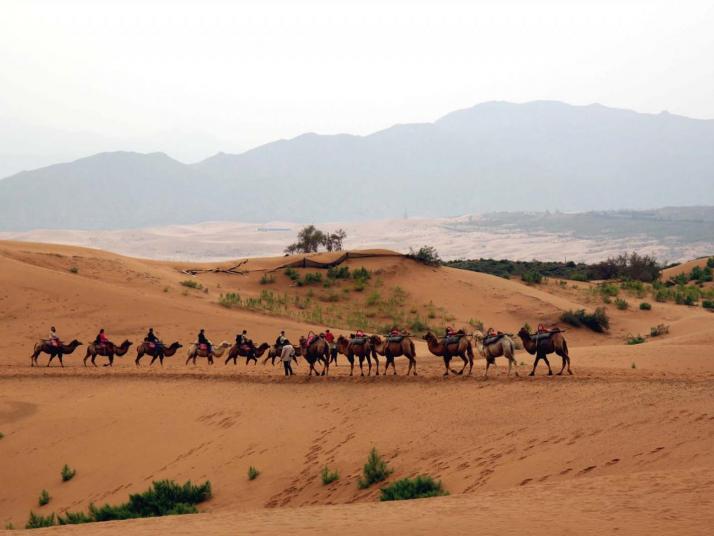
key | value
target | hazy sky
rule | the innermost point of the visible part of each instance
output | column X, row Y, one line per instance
column 193, row 78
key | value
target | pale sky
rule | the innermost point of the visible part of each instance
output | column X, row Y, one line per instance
column 194, row 78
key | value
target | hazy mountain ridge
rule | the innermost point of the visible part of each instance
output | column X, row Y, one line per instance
column 495, row 156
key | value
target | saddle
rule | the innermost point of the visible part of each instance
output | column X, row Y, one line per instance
column 493, row 338
column 542, row 335
column 395, row 338
column 246, row 347
column 358, row 340
column 203, row 346
column 453, row 339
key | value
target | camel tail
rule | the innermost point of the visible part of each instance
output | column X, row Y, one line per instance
column 565, row 347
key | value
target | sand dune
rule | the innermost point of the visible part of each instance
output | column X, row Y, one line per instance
column 625, row 444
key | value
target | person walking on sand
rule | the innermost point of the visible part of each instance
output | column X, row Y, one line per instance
column 287, row 354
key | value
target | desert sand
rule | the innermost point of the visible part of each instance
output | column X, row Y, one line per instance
column 625, row 445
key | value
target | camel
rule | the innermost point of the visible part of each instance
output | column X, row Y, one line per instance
column 350, row 348
column 54, row 351
column 463, row 349
column 541, row 348
column 318, row 350
column 194, row 351
column 504, row 346
column 156, row 351
column 390, row 350
column 108, row 350
column 252, row 353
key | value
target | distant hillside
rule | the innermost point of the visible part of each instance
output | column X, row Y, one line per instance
column 495, row 156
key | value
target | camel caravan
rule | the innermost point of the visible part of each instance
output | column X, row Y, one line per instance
column 320, row 350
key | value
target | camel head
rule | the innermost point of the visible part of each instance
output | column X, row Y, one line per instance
column 430, row 337
column 176, row 345
column 342, row 339
column 523, row 334
column 224, row 344
column 375, row 339
column 263, row 347
column 75, row 342
column 303, row 341
column 126, row 344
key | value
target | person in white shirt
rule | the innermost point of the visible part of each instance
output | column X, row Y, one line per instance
column 287, row 354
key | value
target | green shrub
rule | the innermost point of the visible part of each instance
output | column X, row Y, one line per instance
column 608, row 290
column 662, row 295
column 252, row 473
column 645, row 306
column 707, row 304
column 476, row 324
column 710, row 262
column 192, row 283
column 229, row 300
column 660, row 329
column 328, row 477
column 425, row 255
column 361, row 274
column 9, row 526
column 74, row 269
column 375, row 470
column 359, row 285
column 44, row 498
column 267, row 279
column 338, row 272
column 621, row 304
column 374, row 298
column 532, row 277
column 597, row 321
column 312, row 278
column 67, row 473
column 165, row 497
column 634, row 339
column 292, row 274
column 39, row 521
column 418, row 326
column 73, row 518
column 420, row 487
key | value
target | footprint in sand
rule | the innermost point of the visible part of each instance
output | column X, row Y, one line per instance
column 565, row 471
column 613, row 461
column 526, row 481
column 587, row 469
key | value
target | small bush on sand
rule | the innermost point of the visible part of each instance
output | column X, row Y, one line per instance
column 229, row 300
column 361, row 274
column 67, row 473
column 597, row 321
column 44, row 498
column 621, row 304
column 38, row 521
column 374, row 298
column 312, row 278
column 252, row 473
column 708, row 304
column 420, row 487
column 360, row 284
column 338, row 272
column 328, row 477
column 267, row 279
column 608, row 290
column 425, row 255
column 74, row 270
column 2, row 435
column 292, row 274
column 192, row 283
column 375, row 470
column 73, row 518
column 532, row 277
column 634, row 339
column 658, row 330
column 645, row 306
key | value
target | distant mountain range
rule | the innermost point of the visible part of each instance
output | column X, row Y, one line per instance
column 496, row 156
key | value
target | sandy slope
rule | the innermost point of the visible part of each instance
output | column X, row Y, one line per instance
column 613, row 447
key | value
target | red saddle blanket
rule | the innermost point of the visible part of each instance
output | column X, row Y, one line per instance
column 203, row 346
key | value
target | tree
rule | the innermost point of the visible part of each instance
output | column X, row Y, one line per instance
column 310, row 239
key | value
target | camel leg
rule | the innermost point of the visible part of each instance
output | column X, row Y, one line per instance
column 352, row 364
column 488, row 364
column 50, row 360
column 376, row 360
column 562, row 368
column 161, row 360
column 550, row 370
column 188, row 359
column 466, row 362
column 535, row 364
column 138, row 357
column 153, row 358
column 94, row 356
column 446, row 366
column 361, row 363
column 85, row 359
column 60, row 359
column 227, row 360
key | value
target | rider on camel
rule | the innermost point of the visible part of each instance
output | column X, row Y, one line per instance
column 203, row 340
column 152, row 338
column 102, row 339
column 54, row 338
column 280, row 341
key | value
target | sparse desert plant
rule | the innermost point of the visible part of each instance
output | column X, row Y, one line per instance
column 67, row 473
column 9, row 526
column 312, row 278
column 621, row 304
column 292, row 274
column 229, row 300
column 476, row 324
column 708, row 304
column 328, row 477
column 658, row 330
column 633, row 365
column 359, row 285
column 44, row 498
column 191, row 283
column 375, row 470
column 73, row 518
column 267, row 279
column 37, row 521
column 532, row 277
column 338, row 272
column 374, row 298
column 166, row 289
column 361, row 273
column 74, row 270
column 420, row 487
column 645, row 306
column 634, row 339
column 252, row 473
column 425, row 255
column 2, row 435
column 608, row 290
column 597, row 321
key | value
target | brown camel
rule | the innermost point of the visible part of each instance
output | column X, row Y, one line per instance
column 542, row 347
column 156, row 351
column 363, row 350
column 108, row 350
column 504, row 346
column 392, row 349
column 250, row 352
column 462, row 348
column 318, row 350
column 217, row 351
column 55, row 351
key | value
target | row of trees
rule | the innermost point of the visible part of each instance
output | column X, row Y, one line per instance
column 310, row 239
